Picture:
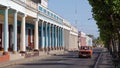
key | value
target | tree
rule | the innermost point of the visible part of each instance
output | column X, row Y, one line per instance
column 107, row 15
column 99, row 41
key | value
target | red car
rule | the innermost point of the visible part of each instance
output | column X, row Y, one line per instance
column 85, row 51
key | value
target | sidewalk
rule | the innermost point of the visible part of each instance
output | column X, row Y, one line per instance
column 24, row 60
column 105, row 60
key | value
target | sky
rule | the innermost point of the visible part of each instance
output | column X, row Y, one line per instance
column 77, row 12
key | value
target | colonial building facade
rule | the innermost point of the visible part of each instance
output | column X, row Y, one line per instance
column 30, row 25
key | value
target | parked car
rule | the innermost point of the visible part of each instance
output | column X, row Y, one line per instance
column 85, row 51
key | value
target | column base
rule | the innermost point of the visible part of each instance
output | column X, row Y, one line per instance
column 54, row 48
column 58, row 47
column 62, row 47
column 36, row 50
column 22, row 52
column 45, row 49
column 5, row 53
column 49, row 48
column 41, row 49
column 14, row 52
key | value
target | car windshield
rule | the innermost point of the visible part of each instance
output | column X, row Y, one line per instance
column 85, row 48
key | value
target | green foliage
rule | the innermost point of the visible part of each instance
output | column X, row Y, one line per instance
column 107, row 15
column 99, row 41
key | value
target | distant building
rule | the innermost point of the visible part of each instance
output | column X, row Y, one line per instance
column 70, row 36
column 88, row 41
column 84, row 40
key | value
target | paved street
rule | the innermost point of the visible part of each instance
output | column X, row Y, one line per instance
column 69, row 60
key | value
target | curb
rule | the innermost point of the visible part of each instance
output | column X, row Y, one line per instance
column 98, row 59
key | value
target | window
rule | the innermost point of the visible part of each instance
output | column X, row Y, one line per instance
column 44, row 10
column 40, row 8
column 51, row 15
column 48, row 13
column 55, row 16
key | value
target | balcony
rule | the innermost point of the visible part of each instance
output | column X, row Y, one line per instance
column 27, row 4
column 37, row 7
column 48, row 13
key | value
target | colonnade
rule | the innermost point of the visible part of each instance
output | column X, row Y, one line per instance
column 51, row 35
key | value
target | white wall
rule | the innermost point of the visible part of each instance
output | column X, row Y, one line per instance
column 18, row 7
column 66, row 38
column 88, row 41
column 44, row 3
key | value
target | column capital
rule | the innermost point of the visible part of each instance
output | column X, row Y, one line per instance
column 8, row 7
column 59, row 27
column 35, row 19
column 23, row 15
column 16, row 11
column 46, row 23
column 55, row 25
column 42, row 21
column 51, row 24
column 3, row 8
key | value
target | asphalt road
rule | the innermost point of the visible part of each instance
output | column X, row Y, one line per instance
column 69, row 60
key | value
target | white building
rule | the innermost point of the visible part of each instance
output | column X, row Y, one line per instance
column 88, row 41
column 84, row 39
column 30, row 25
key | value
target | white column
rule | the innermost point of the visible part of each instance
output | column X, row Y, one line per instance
column 42, row 45
column 52, row 36
column 6, row 38
column 22, row 40
column 58, row 37
column 46, row 35
column 55, row 36
column 36, row 37
column 15, row 32
column 62, row 37
column 49, row 36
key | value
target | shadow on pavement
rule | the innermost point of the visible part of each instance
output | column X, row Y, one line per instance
column 53, row 59
column 47, row 64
